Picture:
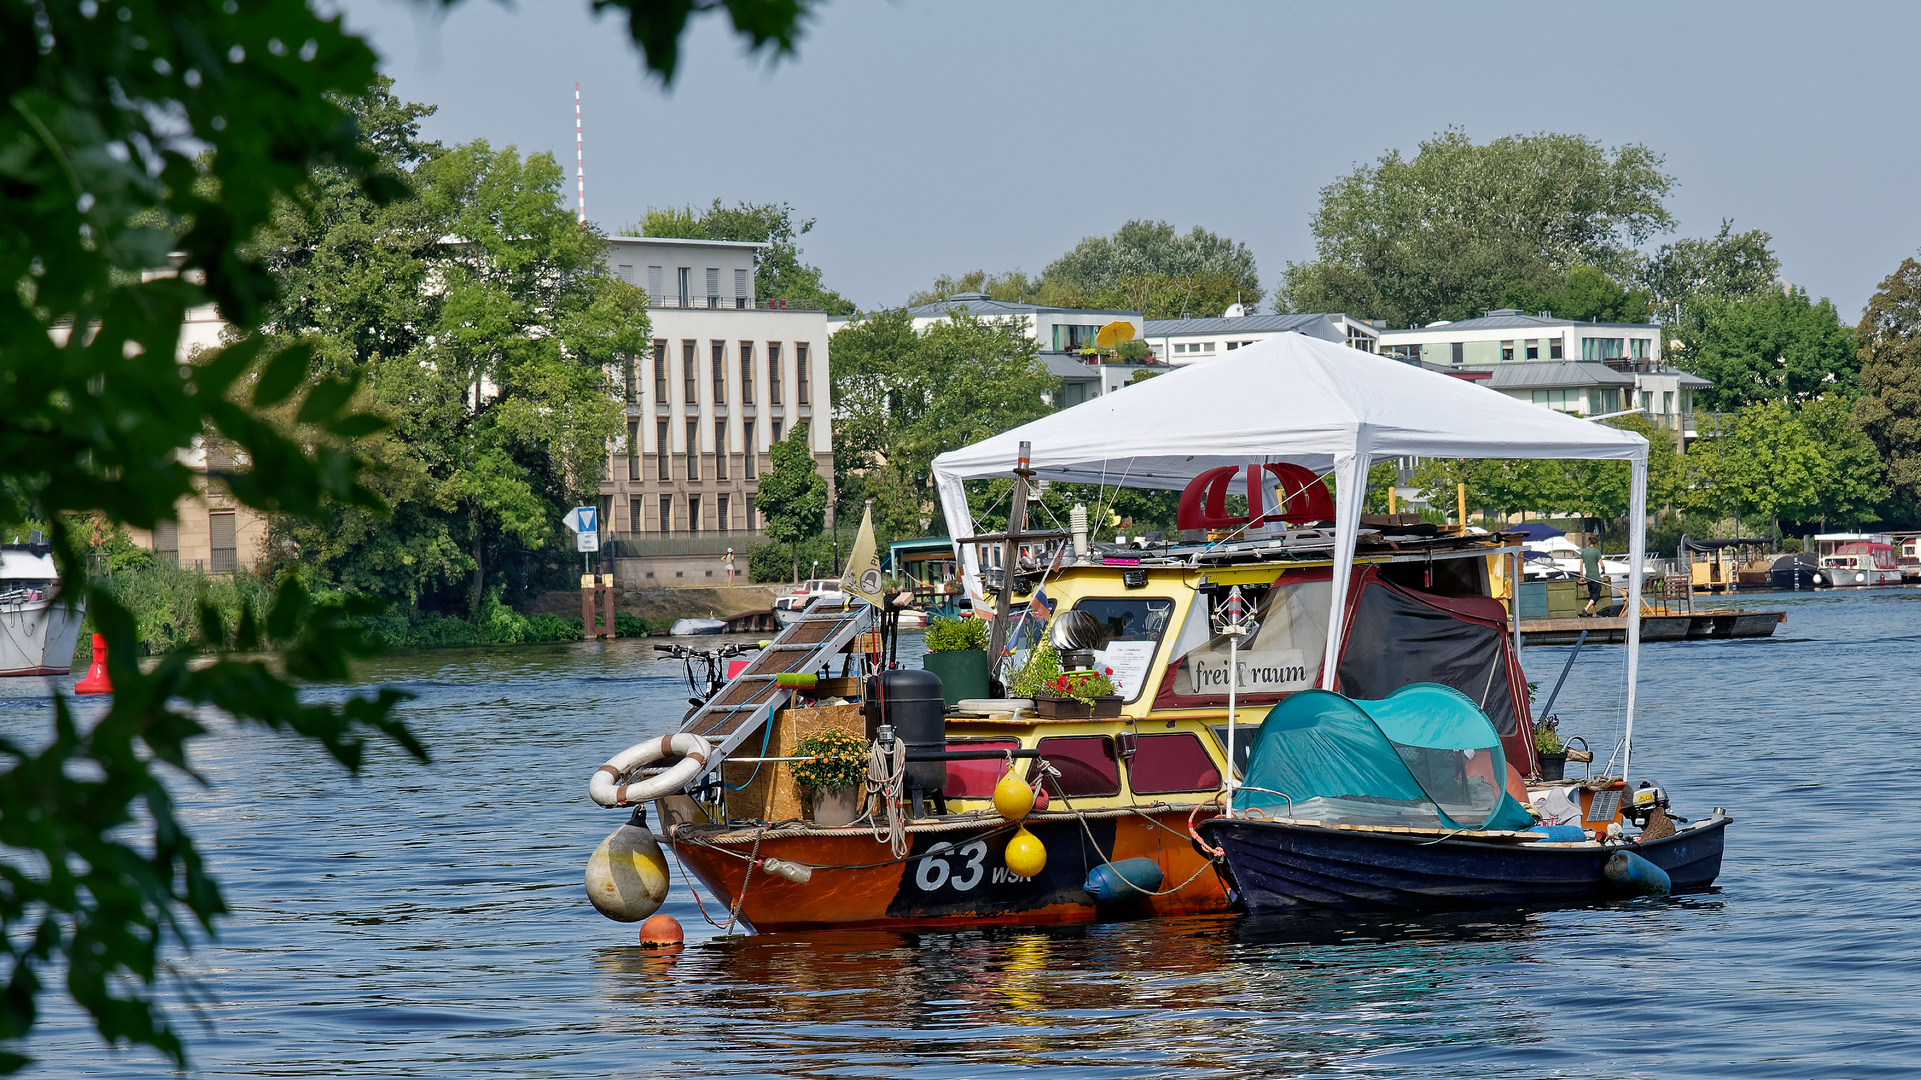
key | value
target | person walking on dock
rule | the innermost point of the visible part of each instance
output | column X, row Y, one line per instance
column 1591, row 570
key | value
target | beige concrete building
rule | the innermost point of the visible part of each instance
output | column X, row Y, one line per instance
column 210, row 531
column 728, row 376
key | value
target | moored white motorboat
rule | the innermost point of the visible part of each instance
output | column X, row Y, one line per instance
column 788, row 608
column 1862, row 563
column 37, row 630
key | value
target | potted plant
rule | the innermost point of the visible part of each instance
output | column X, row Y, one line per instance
column 957, row 652
column 1550, row 753
column 832, row 772
column 1064, row 695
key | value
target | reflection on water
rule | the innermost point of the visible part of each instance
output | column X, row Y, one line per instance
column 428, row 922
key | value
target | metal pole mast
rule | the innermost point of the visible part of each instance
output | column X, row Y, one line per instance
column 580, row 158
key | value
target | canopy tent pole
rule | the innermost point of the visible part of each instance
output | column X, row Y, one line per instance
column 1637, row 547
column 960, row 524
column 1350, row 482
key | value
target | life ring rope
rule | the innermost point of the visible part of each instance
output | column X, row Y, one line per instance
column 693, row 751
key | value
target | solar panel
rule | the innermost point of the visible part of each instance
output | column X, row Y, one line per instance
column 743, row 705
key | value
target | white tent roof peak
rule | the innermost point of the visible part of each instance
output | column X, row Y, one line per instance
column 1289, row 398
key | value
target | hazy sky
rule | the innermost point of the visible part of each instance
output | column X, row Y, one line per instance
column 943, row 137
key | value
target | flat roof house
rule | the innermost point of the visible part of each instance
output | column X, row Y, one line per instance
column 1566, row 350
column 1061, row 334
column 1185, row 341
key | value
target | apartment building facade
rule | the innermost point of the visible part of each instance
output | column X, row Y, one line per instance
column 1571, row 363
column 727, row 376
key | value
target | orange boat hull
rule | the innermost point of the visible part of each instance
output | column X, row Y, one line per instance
column 956, row 876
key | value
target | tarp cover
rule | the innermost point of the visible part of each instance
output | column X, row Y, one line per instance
column 1399, row 637
column 1422, row 756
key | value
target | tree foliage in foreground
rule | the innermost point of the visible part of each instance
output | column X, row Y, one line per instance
column 136, row 129
column 1444, row 234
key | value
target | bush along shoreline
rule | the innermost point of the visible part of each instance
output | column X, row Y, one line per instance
column 166, row 599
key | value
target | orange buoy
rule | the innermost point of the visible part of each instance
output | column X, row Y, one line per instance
column 96, row 680
column 662, row 932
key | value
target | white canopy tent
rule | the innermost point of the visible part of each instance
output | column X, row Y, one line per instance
column 1295, row 399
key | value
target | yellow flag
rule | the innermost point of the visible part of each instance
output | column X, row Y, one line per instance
column 862, row 578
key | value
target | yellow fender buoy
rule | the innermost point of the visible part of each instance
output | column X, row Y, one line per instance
column 627, row 875
column 1012, row 798
column 1025, row 854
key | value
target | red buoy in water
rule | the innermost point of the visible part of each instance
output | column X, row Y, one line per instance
column 661, row 932
column 96, row 680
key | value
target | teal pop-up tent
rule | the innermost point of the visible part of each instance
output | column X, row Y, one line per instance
column 1423, row 756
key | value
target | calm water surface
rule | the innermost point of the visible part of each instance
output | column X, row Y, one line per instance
column 429, row 922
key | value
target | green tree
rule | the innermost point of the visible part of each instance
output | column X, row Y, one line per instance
column 1770, row 345
column 903, row 398
column 1146, row 266
column 1444, row 234
column 133, row 132
column 778, row 271
column 1585, row 293
column 1889, row 409
column 793, row 494
column 493, row 374
column 1012, row 287
column 1729, row 266
column 1145, row 257
column 1849, row 485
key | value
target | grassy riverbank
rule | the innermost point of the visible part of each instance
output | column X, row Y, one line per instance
column 166, row 600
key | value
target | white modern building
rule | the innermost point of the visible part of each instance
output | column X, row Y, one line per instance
column 1061, row 334
column 728, row 375
column 1565, row 357
column 1187, row 341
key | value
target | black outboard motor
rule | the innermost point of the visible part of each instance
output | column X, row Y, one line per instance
column 910, row 700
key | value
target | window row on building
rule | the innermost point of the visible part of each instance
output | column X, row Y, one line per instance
column 721, row 459
column 709, row 372
column 684, row 515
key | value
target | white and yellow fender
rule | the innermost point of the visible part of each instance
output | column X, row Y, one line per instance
column 606, row 789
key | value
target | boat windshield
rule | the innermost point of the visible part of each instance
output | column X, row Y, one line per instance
column 1424, row 756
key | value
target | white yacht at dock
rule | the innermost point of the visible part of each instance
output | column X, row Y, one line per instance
column 37, row 631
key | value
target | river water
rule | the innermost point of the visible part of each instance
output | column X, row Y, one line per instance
column 429, row 922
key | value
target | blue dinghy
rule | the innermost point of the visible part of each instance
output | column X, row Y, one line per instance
column 1401, row 805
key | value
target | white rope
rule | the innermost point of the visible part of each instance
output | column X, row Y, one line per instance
column 886, row 775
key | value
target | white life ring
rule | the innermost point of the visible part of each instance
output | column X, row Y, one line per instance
column 606, row 789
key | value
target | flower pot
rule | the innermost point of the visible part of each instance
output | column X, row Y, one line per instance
column 1550, row 766
column 835, row 806
column 963, row 673
column 1107, row 706
column 1061, row 708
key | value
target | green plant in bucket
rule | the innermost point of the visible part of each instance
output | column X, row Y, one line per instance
column 837, row 759
column 1547, row 736
column 1037, row 675
column 956, row 635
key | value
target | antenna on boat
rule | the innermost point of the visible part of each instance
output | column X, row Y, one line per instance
column 1010, row 557
column 1233, row 622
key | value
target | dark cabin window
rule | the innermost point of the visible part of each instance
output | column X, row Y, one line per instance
column 1087, row 765
column 976, row 779
column 1176, row 762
